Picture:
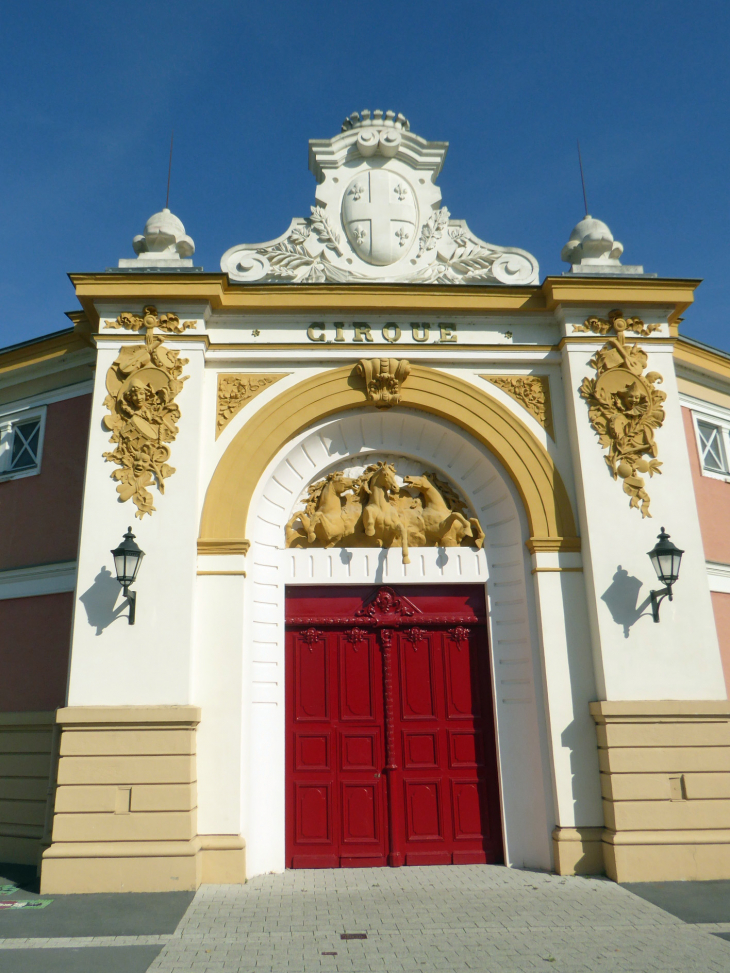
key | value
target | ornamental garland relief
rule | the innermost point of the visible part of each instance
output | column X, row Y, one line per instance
column 142, row 383
column 235, row 391
column 618, row 322
column 150, row 319
column 624, row 409
column 375, row 510
column 532, row 392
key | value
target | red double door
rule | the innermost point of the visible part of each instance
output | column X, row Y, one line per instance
column 391, row 755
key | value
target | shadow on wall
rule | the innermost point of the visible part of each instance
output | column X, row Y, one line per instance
column 99, row 601
column 621, row 598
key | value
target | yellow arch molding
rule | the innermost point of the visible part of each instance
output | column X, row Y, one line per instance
column 227, row 501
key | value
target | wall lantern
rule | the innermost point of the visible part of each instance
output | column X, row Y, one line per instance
column 127, row 559
column 666, row 559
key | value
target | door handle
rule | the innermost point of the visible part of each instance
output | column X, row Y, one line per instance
column 376, row 776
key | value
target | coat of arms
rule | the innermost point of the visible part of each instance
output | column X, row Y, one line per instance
column 380, row 216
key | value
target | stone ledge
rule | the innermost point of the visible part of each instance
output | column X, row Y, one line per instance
column 107, row 716
column 672, row 709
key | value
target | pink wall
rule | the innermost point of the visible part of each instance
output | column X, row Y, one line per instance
column 40, row 515
column 34, row 649
column 713, row 507
column 713, row 502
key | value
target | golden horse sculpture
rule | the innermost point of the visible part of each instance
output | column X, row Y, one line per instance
column 372, row 510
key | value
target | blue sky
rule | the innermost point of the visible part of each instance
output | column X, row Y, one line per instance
column 91, row 92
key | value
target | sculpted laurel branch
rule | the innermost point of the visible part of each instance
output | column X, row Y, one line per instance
column 433, row 229
column 322, row 227
column 472, row 261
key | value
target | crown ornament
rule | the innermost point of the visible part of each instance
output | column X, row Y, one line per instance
column 377, row 119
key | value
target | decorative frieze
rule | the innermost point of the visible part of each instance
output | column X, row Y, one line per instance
column 235, row 391
column 624, row 409
column 150, row 318
column 143, row 383
column 532, row 392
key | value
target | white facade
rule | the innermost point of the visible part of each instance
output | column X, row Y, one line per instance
column 565, row 627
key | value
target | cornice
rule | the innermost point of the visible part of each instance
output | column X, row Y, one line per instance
column 634, row 291
column 56, row 347
column 221, row 294
column 699, row 359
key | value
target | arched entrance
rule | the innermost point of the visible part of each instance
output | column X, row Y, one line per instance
column 500, row 571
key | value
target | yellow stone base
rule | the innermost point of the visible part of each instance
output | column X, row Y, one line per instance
column 578, row 851
column 164, row 866
column 645, row 856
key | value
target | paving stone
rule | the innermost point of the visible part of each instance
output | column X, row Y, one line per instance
column 429, row 919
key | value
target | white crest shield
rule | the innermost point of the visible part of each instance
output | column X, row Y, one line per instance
column 380, row 216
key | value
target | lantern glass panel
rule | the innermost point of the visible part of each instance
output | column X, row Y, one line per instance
column 120, row 566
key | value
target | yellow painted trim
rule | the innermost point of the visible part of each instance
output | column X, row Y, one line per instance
column 549, row 545
column 241, row 574
column 216, row 546
column 530, row 466
column 704, row 359
column 540, row 570
column 327, row 348
column 618, row 291
column 42, row 351
column 221, row 294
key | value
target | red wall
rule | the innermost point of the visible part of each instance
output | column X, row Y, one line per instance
column 713, row 507
column 34, row 650
column 40, row 515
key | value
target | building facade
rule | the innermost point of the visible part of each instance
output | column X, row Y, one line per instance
column 395, row 496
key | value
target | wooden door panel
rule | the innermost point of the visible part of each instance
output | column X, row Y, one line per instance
column 462, row 668
column 312, row 696
column 360, row 817
column 357, row 675
column 424, row 812
column 416, row 676
column 360, row 750
column 313, row 813
column 420, row 750
column 469, row 804
column 312, row 751
column 466, row 749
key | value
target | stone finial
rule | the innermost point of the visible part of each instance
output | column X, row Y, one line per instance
column 163, row 244
column 592, row 249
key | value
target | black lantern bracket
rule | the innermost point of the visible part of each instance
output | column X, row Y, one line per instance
column 657, row 597
column 127, row 559
column 666, row 559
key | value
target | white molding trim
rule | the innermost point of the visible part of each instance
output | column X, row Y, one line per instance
column 716, row 415
column 41, row 579
column 710, row 409
column 718, row 576
column 47, row 398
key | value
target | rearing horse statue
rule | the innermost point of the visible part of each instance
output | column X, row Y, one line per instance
column 443, row 527
column 379, row 514
column 327, row 524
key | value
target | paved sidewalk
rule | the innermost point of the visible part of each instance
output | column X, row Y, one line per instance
column 452, row 918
